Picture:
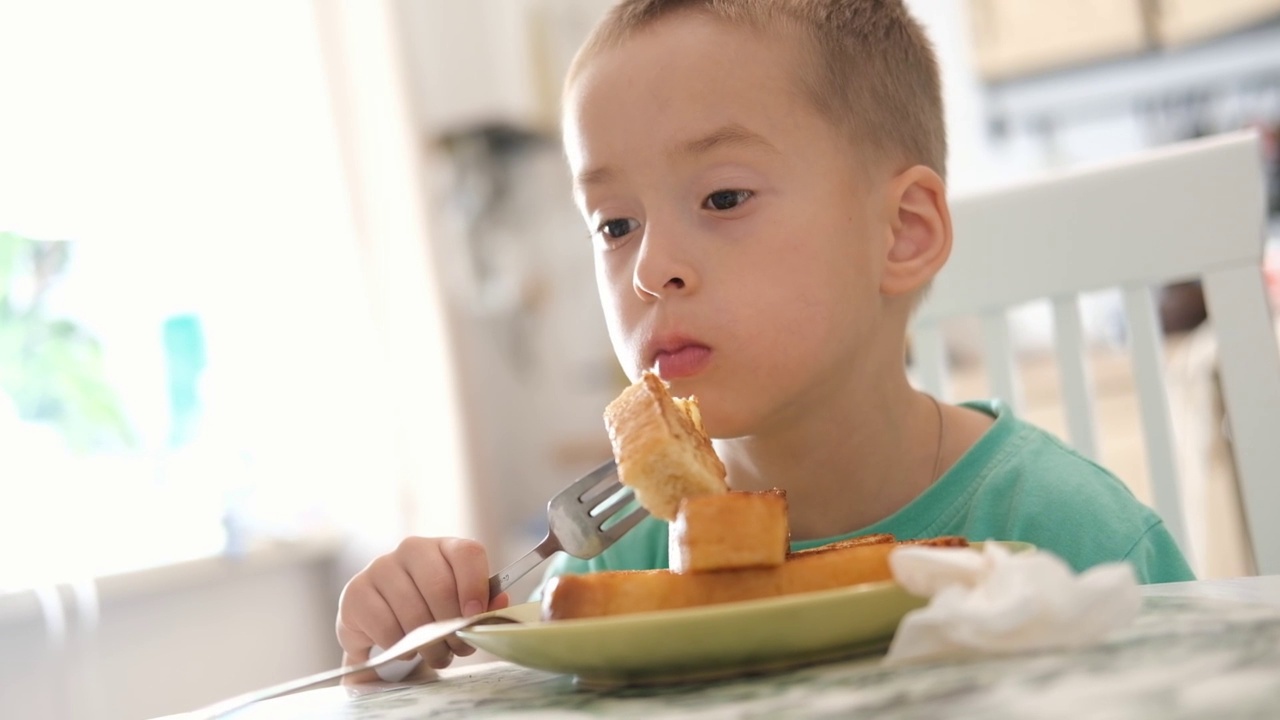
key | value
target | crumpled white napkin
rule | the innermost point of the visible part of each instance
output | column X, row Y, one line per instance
column 994, row 601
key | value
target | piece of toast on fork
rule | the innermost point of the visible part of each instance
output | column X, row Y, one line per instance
column 662, row 450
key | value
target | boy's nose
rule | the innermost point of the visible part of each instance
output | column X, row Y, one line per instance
column 662, row 269
column 654, row 285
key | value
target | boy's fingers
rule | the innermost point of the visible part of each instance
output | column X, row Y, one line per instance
column 365, row 619
column 460, row 648
column 439, row 657
column 379, row 622
column 431, row 575
column 434, row 578
column 402, row 595
column 354, row 642
column 390, row 631
column 470, row 566
column 424, row 580
column 360, row 678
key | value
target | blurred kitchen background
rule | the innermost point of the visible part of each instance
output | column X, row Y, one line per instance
column 283, row 282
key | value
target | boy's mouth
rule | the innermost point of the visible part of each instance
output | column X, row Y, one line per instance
column 681, row 360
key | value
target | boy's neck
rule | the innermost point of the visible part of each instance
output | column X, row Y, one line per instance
column 855, row 455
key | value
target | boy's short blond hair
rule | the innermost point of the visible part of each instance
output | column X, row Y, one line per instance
column 871, row 69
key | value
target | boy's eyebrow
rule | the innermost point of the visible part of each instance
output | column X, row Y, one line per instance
column 731, row 135
column 596, row 176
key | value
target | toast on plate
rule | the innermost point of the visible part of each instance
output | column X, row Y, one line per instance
column 730, row 531
column 624, row 592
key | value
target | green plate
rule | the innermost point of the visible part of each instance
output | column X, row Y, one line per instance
column 705, row 643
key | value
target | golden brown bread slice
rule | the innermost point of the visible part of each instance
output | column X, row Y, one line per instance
column 619, row 593
column 662, row 450
column 841, row 564
column 730, row 531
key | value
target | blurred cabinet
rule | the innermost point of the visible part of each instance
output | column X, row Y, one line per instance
column 1020, row 37
column 1177, row 22
column 1014, row 38
column 491, row 62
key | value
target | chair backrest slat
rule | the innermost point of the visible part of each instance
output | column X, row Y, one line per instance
column 1077, row 392
column 1147, row 353
column 1002, row 371
column 1250, row 377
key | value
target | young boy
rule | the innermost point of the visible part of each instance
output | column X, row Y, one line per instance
column 763, row 182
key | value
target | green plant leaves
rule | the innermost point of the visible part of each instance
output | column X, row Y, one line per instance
column 51, row 368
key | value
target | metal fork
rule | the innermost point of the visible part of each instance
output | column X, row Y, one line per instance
column 576, row 519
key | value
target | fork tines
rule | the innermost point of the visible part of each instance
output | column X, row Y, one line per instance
column 606, row 500
column 585, row 485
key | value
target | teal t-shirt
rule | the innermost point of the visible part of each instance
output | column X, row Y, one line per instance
column 1017, row 482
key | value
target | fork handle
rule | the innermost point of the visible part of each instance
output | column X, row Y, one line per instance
column 508, row 575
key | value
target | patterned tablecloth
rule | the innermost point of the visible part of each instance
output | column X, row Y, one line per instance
column 1186, row 657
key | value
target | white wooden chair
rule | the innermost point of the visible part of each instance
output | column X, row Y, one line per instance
column 1181, row 212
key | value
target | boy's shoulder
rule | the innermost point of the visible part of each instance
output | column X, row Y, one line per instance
column 1016, row 453
column 1026, row 484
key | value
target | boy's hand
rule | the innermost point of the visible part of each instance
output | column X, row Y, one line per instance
column 423, row 580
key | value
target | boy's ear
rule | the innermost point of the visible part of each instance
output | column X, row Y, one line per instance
column 919, row 231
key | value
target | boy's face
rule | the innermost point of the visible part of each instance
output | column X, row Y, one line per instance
column 737, row 247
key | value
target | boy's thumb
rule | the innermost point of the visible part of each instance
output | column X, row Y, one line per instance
column 476, row 606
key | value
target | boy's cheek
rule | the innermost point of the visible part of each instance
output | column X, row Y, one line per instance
column 614, row 285
column 622, row 337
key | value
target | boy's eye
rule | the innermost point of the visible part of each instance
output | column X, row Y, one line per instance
column 726, row 199
column 618, row 227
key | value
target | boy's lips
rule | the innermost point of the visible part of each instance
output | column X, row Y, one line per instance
column 680, row 359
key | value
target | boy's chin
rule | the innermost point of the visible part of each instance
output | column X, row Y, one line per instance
column 722, row 423
column 719, row 409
